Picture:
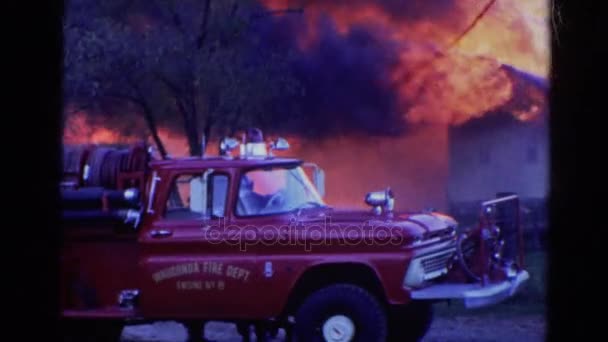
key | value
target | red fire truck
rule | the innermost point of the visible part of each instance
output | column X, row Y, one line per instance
column 245, row 236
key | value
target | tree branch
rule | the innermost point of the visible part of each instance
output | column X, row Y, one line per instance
column 431, row 61
column 80, row 107
column 176, row 19
column 276, row 12
column 189, row 118
column 468, row 29
column 149, row 117
column 200, row 41
column 176, row 96
column 235, row 6
column 165, row 80
column 140, row 101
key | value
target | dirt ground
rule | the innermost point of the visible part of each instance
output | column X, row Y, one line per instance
column 486, row 328
column 483, row 328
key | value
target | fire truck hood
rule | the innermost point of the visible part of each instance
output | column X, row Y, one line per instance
column 424, row 224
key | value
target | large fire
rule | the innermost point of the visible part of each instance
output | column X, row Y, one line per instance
column 514, row 32
column 447, row 77
column 442, row 77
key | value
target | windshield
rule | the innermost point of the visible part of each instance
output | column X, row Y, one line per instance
column 276, row 190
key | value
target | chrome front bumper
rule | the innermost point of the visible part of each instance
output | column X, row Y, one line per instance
column 474, row 295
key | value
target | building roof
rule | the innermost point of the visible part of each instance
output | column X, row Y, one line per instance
column 537, row 81
column 529, row 100
column 528, row 106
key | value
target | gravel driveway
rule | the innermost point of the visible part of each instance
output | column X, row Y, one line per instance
column 486, row 328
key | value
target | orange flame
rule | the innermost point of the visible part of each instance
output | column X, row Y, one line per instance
column 514, row 32
column 454, row 90
column 443, row 83
column 80, row 128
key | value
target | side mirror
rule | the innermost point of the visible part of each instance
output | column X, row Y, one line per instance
column 381, row 200
column 280, row 145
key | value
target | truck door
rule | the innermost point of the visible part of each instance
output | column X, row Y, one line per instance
column 189, row 267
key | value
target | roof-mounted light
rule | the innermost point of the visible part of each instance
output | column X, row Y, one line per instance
column 253, row 145
column 227, row 145
column 254, row 149
column 280, row 145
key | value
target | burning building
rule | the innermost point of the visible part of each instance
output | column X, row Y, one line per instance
column 504, row 151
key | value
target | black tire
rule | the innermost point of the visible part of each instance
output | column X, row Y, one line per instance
column 266, row 330
column 357, row 304
column 243, row 328
column 411, row 322
column 273, row 331
column 90, row 330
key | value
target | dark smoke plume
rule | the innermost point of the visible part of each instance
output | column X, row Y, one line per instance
column 347, row 76
column 346, row 79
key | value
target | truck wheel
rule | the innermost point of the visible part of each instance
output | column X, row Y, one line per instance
column 341, row 312
column 409, row 323
column 92, row 330
column 244, row 331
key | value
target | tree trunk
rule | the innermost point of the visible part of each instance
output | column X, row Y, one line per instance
column 190, row 128
column 186, row 107
column 193, row 141
column 148, row 117
column 151, row 122
column 196, row 148
column 207, row 132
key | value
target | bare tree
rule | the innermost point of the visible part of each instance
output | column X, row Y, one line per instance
column 198, row 62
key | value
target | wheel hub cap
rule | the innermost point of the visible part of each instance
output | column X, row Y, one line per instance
column 338, row 328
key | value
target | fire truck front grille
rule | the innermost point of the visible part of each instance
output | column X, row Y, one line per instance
column 437, row 262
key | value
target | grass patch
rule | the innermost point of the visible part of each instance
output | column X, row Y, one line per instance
column 529, row 300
